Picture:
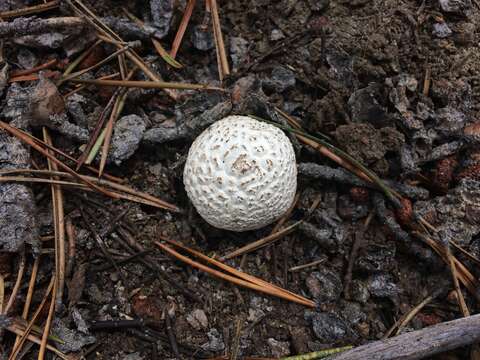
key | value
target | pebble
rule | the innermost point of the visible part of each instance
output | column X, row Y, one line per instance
column 441, row 30
column 329, row 327
column 276, row 34
column 324, row 285
column 279, row 348
column 457, row 7
column 377, row 258
column 281, row 79
column 197, row 319
column 238, row 51
column 126, row 138
column 215, row 341
column 382, row 285
column 202, row 38
column 450, row 121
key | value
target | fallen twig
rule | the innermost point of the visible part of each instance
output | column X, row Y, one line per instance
column 420, row 343
column 29, row 10
column 33, row 25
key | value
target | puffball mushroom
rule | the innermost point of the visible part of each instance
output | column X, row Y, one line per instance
column 241, row 174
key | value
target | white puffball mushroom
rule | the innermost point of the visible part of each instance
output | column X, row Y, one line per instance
column 241, row 174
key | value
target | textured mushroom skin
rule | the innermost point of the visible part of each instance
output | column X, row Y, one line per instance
column 241, row 174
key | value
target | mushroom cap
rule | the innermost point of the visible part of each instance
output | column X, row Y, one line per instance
column 241, row 174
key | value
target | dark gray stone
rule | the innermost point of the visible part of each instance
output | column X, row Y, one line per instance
column 328, row 327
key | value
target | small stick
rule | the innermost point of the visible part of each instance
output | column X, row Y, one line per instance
column 72, row 239
column 147, row 84
column 357, row 244
column 310, row 264
column 32, row 25
column 101, row 243
column 29, row 10
column 420, row 344
column 187, row 14
column 169, row 327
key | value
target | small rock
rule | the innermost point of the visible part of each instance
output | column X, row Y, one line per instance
column 238, row 51
column 441, row 30
column 376, row 258
column 352, row 312
column 349, row 210
column 457, row 7
column 72, row 340
column 215, row 341
column 276, row 34
column 126, row 138
column 281, row 79
column 279, row 348
column 366, row 106
column 323, row 235
column 243, row 87
column 360, row 291
column 300, row 338
column 329, row 328
column 202, row 38
column 318, row 5
column 382, row 285
column 26, row 58
column 324, row 285
column 450, row 121
column 80, row 107
column 197, row 319
column 161, row 12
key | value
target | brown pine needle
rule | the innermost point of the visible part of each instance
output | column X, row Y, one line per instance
column 28, row 300
column 147, row 84
column 106, row 31
column 229, row 269
column 262, row 242
column 122, row 191
column 23, row 338
column 96, row 131
column 109, row 130
column 18, row 331
column 66, row 156
column 158, row 46
column 46, row 65
column 18, row 282
column 95, row 66
column 59, row 228
column 48, row 324
column 187, row 14
column 240, row 278
column 30, row 10
column 20, row 135
column 224, row 69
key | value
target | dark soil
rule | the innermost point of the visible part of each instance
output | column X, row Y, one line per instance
column 394, row 83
